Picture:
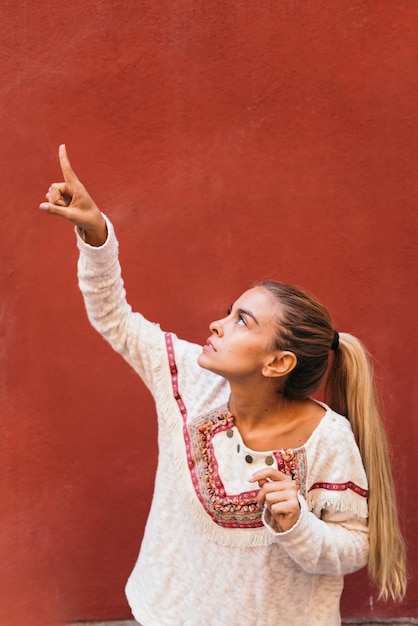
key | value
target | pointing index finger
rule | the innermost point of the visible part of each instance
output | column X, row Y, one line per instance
column 67, row 170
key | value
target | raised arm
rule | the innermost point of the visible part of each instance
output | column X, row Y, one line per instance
column 70, row 199
column 99, row 273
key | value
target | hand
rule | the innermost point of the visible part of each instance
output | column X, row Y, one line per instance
column 71, row 200
column 279, row 493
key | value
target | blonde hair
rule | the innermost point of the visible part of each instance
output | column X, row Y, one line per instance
column 351, row 392
column 305, row 327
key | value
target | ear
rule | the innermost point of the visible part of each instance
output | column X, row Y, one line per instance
column 280, row 364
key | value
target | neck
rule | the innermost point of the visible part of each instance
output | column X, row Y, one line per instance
column 257, row 405
column 267, row 421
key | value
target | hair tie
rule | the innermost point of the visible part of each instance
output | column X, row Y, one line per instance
column 335, row 341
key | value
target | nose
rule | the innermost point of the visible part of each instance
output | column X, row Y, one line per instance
column 216, row 328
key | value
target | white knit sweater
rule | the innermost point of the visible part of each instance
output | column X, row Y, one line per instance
column 209, row 556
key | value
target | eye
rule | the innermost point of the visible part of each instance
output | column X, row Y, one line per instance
column 241, row 320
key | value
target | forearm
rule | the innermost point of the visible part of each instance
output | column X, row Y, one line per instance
column 101, row 284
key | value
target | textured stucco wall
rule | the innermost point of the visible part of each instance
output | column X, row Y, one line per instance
column 227, row 141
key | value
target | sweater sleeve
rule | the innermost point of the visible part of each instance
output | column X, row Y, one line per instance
column 336, row 544
column 139, row 341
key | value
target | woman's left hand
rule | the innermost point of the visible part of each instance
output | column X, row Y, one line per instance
column 280, row 494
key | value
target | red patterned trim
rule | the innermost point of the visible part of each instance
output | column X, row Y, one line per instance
column 293, row 463
column 341, row 487
column 229, row 511
column 174, row 375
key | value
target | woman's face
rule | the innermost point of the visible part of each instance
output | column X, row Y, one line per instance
column 243, row 342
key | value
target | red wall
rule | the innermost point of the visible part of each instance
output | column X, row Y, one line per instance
column 227, row 141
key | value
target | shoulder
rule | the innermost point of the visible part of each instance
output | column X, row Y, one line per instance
column 333, row 429
column 335, row 474
column 332, row 452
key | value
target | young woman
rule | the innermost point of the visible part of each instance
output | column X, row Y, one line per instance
column 264, row 497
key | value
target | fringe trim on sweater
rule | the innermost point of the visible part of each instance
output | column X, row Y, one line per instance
column 321, row 499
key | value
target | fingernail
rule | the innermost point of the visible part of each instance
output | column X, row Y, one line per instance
column 44, row 206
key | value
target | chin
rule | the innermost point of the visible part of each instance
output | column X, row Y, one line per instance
column 205, row 364
column 201, row 361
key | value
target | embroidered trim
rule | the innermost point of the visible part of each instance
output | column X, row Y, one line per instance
column 230, row 511
column 341, row 487
column 174, row 376
column 293, row 463
column 236, row 511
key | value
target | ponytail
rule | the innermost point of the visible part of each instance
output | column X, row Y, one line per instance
column 350, row 391
column 305, row 327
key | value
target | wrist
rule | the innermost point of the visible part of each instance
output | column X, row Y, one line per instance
column 96, row 236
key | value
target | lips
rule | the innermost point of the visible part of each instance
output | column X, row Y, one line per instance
column 209, row 346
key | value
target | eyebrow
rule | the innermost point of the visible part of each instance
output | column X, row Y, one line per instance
column 246, row 312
